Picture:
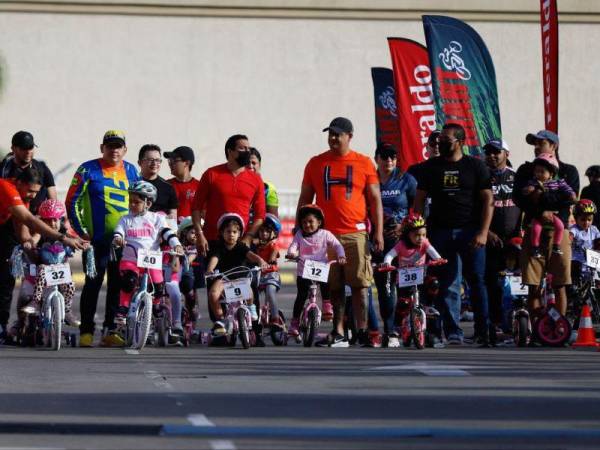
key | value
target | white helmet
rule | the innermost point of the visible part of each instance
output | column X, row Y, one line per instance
column 144, row 190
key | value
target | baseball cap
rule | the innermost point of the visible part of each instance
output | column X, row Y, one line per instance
column 183, row 152
column 340, row 125
column 542, row 134
column 385, row 150
column 23, row 139
column 114, row 137
column 497, row 145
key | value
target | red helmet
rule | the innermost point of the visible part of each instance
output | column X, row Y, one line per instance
column 412, row 222
column 585, row 206
column 51, row 209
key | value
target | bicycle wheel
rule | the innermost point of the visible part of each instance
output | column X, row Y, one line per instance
column 553, row 333
column 143, row 318
column 162, row 329
column 521, row 331
column 308, row 336
column 278, row 333
column 56, row 320
column 243, row 327
column 417, row 328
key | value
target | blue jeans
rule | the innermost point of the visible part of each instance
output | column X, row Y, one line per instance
column 454, row 245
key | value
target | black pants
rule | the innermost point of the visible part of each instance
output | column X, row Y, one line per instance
column 303, row 285
column 7, row 282
column 91, row 290
column 495, row 262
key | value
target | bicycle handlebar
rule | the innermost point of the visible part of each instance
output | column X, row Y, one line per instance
column 390, row 268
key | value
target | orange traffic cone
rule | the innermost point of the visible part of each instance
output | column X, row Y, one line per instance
column 586, row 337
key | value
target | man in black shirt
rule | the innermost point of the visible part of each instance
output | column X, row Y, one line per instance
column 20, row 158
column 505, row 225
column 459, row 221
column 150, row 159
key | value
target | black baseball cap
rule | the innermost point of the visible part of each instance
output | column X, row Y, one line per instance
column 340, row 125
column 385, row 150
column 183, row 152
column 24, row 140
column 114, row 137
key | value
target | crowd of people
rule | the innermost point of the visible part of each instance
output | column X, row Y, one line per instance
column 479, row 217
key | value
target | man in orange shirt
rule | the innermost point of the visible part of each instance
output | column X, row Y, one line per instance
column 346, row 187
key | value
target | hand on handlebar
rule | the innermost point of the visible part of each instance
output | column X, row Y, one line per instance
column 438, row 262
column 341, row 260
column 117, row 241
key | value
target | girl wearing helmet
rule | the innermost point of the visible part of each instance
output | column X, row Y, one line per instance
column 137, row 230
column 229, row 252
column 583, row 236
column 266, row 247
column 193, row 277
column 312, row 242
column 545, row 178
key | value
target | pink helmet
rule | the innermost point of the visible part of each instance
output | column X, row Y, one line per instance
column 51, row 209
column 548, row 160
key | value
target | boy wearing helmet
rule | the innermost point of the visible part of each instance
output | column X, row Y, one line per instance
column 545, row 172
column 141, row 229
column 227, row 253
column 584, row 236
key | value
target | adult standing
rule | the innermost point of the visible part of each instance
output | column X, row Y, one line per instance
column 505, row 224
column 271, row 196
column 20, row 159
column 461, row 212
column 592, row 190
column 346, row 187
column 149, row 160
column 181, row 161
column 96, row 200
column 231, row 188
column 398, row 191
column 559, row 265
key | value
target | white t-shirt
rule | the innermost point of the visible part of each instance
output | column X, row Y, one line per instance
column 582, row 240
column 141, row 231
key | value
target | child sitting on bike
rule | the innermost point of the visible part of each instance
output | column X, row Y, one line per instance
column 188, row 281
column 172, row 274
column 266, row 247
column 137, row 230
column 312, row 242
column 228, row 253
column 412, row 249
column 41, row 251
column 583, row 236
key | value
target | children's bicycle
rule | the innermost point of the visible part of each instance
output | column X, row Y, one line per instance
column 520, row 319
column 276, row 326
column 236, row 293
column 551, row 327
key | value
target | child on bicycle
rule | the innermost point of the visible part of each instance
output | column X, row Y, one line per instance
column 412, row 249
column 228, row 253
column 137, row 230
column 187, row 281
column 545, row 178
column 41, row 251
column 584, row 236
column 266, row 247
column 314, row 243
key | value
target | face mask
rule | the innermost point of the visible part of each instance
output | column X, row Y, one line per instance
column 445, row 148
column 243, row 158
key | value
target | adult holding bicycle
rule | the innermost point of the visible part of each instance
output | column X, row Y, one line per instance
column 398, row 191
column 558, row 264
column 346, row 188
column 96, row 201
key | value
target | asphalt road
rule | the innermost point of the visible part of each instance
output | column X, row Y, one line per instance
column 294, row 397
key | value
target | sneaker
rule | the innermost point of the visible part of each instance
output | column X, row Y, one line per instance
column 112, row 339
column 86, row 339
column 438, row 343
column 253, row 312
column 363, row 338
column 294, row 325
column 536, row 253
column 556, row 250
column 333, row 340
column 327, row 315
column 393, row 341
column 218, row 329
column 71, row 320
column 455, row 339
column 573, row 337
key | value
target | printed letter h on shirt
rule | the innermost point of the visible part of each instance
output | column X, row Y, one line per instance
column 329, row 181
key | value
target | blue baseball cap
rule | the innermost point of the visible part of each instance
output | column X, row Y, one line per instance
column 542, row 134
column 497, row 145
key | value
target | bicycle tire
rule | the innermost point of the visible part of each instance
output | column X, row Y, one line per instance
column 143, row 319
column 278, row 334
column 56, row 320
column 521, row 333
column 162, row 329
column 417, row 332
column 311, row 328
column 243, row 328
column 553, row 333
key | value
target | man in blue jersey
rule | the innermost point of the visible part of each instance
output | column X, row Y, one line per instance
column 95, row 202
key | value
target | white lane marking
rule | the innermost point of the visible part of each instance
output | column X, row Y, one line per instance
column 131, row 351
column 438, row 370
column 222, row 445
column 158, row 380
column 200, row 420
column 32, row 448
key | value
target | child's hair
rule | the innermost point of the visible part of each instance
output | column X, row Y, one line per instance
column 227, row 219
column 410, row 223
column 313, row 209
column 184, row 227
column 548, row 162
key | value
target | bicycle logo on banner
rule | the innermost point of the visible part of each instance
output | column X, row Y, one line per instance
column 452, row 61
column 388, row 101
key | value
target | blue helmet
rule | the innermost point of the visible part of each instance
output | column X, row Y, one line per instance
column 271, row 220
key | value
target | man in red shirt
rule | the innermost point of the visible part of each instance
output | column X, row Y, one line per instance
column 346, row 187
column 232, row 188
column 181, row 161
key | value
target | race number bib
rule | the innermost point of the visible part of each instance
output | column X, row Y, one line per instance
column 149, row 259
column 592, row 258
column 411, row 276
column 57, row 274
column 516, row 286
column 316, row 271
column 237, row 290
